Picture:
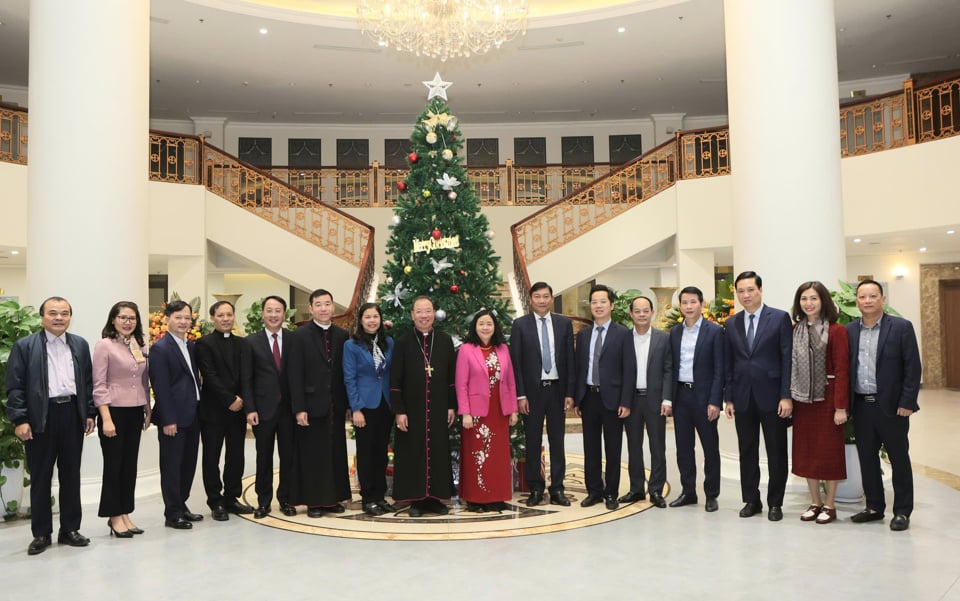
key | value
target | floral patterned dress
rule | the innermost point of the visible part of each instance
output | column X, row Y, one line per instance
column 485, row 475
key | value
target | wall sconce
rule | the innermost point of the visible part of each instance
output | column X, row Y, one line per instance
column 899, row 271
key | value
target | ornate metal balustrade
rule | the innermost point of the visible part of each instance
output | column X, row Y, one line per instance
column 13, row 134
column 874, row 124
column 175, row 158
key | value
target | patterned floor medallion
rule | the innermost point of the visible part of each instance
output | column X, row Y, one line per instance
column 459, row 524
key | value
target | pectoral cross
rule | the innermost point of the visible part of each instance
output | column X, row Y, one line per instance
column 429, row 369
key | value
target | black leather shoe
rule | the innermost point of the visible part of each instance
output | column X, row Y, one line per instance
column 900, row 522
column 220, row 514
column 261, row 512
column 535, row 498
column 415, row 510
column 288, row 510
column 238, row 508
column 39, row 545
column 631, row 497
column 751, row 509
column 684, row 500
column 314, row 512
column 386, row 507
column 867, row 515
column 610, row 502
column 657, row 500
column 711, row 505
column 436, row 506
column 775, row 513
column 192, row 517
column 180, row 523
column 475, row 507
column 372, row 509
column 558, row 498
column 73, row 538
column 591, row 500
column 335, row 508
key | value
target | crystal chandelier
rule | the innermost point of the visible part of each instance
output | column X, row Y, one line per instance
column 443, row 28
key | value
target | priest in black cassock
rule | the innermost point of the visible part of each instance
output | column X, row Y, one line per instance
column 425, row 402
column 318, row 398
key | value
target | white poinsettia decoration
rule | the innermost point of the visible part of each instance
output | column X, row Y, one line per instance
column 448, row 183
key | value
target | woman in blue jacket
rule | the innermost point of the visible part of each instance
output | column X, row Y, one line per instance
column 366, row 372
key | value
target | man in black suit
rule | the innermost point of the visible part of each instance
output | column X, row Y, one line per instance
column 759, row 359
column 885, row 381
column 222, row 420
column 50, row 402
column 651, row 404
column 541, row 348
column 318, row 398
column 176, row 392
column 267, row 404
column 697, row 349
column 606, row 373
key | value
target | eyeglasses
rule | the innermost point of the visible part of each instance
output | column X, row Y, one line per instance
column 127, row 317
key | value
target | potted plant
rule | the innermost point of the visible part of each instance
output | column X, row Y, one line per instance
column 15, row 323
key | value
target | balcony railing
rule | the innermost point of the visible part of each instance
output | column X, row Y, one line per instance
column 13, row 134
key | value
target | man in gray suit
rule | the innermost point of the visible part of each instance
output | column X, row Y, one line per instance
column 651, row 404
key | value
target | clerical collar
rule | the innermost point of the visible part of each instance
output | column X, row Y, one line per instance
column 322, row 326
column 226, row 334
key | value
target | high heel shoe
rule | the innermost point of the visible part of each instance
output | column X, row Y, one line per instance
column 119, row 534
column 135, row 530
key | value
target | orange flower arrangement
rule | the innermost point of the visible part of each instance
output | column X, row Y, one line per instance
column 157, row 328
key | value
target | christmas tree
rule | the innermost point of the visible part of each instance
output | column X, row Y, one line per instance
column 439, row 240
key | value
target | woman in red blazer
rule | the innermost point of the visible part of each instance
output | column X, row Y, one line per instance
column 487, row 397
column 820, row 388
column 121, row 394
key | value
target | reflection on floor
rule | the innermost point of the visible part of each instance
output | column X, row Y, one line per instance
column 517, row 520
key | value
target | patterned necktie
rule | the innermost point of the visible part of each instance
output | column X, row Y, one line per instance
column 276, row 352
column 597, row 347
column 545, row 347
column 751, row 334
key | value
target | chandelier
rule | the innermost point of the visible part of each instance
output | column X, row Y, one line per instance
column 443, row 28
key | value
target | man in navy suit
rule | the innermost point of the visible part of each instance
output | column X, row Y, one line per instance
column 651, row 404
column 885, row 381
column 541, row 348
column 758, row 354
column 697, row 349
column 267, row 404
column 176, row 392
column 606, row 373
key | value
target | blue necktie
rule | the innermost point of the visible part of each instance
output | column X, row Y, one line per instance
column 751, row 334
column 545, row 347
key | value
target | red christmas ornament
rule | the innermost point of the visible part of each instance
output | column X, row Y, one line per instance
column 454, row 288
column 413, row 157
column 402, row 186
column 436, row 234
column 462, row 272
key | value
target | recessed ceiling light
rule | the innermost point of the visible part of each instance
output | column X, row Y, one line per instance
column 14, row 252
column 923, row 249
column 856, row 240
column 621, row 29
column 951, row 232
column 263, row 31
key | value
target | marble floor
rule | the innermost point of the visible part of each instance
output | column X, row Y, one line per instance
column 660, row 553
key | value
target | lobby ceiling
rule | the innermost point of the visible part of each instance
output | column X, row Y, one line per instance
column 208, row 59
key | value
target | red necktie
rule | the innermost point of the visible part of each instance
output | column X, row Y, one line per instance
column 276, row 352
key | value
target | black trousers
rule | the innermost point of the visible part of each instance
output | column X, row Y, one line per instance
column 60, row 445
column 178, row 465
column 224, row 431
column 120, row 455
column 749, row 424
column 600, row 422
column 690, row 417
column 372, row 441
column 873, row 428
column 279, row 428
column 546, row 404
column 646, row 415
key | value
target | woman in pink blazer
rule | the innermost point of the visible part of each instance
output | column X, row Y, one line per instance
column 487, row 396
column 122, row 396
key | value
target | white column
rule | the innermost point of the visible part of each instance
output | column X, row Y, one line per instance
column 87, row 182
column 211, row 128
column 785, row 143
column 665, row 126
column 696, row 268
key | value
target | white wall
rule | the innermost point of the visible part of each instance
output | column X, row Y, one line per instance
column 13, row 282
column 13, row 205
